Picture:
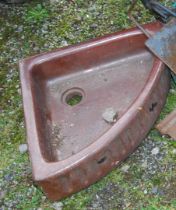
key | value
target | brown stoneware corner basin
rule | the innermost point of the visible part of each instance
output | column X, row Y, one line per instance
column 88, row 106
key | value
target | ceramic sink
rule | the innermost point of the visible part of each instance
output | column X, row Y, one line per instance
column 88, row 106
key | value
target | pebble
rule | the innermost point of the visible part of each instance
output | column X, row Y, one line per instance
column 125, row 168
column 23, row 148
column 36, row 49
column 8, row 177
column 109, row 115
column 54, row 1
column 93, row 26
column 19, row 91
column 57, row 205
column 155, row 190
column 172, row 91
column 144, row 164
column 2, row 194
column 155, row 151
column 95, row 205
column 145, row 192
column 20, row 29
column 174, row 151
column 43, row 198
column 64, row 43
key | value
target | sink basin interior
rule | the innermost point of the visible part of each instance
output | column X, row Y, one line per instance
column 71, row 91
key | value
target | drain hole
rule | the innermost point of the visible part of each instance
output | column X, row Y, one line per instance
column 73, row 98
column 102, row 160
column 153, row 106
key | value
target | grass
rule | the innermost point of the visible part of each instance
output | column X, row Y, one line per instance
column 75, row 99
column 70, row 22
column 36, row 14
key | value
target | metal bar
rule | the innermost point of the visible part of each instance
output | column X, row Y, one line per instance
column 135, row 21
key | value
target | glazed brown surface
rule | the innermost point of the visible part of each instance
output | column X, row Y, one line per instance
column 71, row 147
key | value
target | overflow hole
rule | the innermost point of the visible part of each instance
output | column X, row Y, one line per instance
column 102, row 160
column 153, row 106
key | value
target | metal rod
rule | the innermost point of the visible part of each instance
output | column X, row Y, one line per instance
column 135, row 21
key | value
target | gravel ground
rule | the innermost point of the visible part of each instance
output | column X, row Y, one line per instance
column 140, row 168
column 146, row 180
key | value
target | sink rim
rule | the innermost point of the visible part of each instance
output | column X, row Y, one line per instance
column 50, row 169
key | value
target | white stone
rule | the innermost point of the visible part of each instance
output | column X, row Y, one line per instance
column 64, row 43
column 174, row 151
column 155, row 151
column 23, row 148
column 109, row 115
column 57, row 205
column 54, row 1
column 145, row 192
column 125, row 168
column 172, row 91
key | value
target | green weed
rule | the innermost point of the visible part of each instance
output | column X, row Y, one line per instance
column 36, row 14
